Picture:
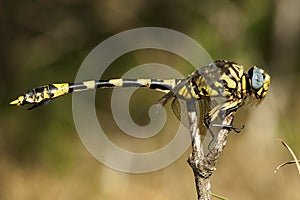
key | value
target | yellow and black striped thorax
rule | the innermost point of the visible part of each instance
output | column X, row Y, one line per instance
column 226, row 79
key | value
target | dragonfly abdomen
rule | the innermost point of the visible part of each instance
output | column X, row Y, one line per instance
column 42, row 95
column 157, row 84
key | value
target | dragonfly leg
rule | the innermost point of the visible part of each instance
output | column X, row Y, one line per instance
column 229, row 127
column 221, row 111
column 206, row 121
column 226, row 109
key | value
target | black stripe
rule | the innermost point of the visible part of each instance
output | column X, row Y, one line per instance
column 77, row 86
column 195, row 87
column 236, row 71
column 231, row 90
column 104, row 84
column 159, row 84
column 71, row 88
column 248, row 82
column 204, row 91
column 39, row 89
column 132, row 83
column 231, row 76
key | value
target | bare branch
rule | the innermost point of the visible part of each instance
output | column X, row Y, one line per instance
column 204, row 165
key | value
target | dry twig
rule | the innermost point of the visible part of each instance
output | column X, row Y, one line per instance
column 204, row 165
column 295, row 161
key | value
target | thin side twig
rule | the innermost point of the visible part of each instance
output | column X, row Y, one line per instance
column 295, row 161
column 204, row 165
column 286, row 163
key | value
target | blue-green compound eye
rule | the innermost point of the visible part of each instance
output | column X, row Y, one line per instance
column 257, row 79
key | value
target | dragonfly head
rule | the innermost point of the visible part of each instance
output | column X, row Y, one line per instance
column 259, row 82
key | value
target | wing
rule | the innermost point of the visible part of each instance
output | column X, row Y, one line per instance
column 212, row 76
column 203, row 107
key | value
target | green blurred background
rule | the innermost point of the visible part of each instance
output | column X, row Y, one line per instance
column 45, row 41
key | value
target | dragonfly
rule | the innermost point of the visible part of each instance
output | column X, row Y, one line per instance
column 221, row 79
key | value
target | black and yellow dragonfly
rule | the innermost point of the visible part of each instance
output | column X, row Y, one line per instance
column 220, row 79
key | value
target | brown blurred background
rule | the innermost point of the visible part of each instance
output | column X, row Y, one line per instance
column 45, row 41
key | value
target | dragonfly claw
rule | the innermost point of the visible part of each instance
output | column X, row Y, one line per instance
column 238, row 130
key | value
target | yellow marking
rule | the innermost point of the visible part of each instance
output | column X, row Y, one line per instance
column 218, row 84
column 184, row 93
column 46, row 93
column 145, row 82
column 244, row 85
column 90, row 84
column 30, row 98
column 170, row 82
column 231, row 71
column 194, row 94
column 211, row 92
column 231, row 83
column 164, row 91
column 240, row 70
column 116, row 82
column 18, row 101
column 228, row 95
column 267, row 82
column 225, row 106
column 239, row 89
column 259, row 92
column 62, row 88
column 37, row 98
column 181, row 91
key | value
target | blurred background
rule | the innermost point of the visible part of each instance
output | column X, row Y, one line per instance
column 45, row 41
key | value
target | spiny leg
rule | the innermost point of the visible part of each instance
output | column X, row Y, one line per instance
column 221, row 111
